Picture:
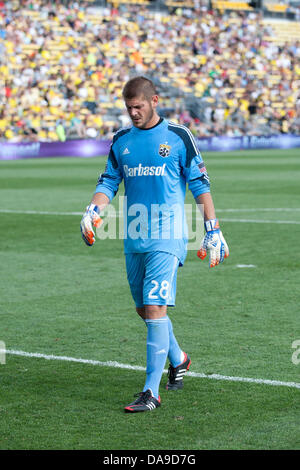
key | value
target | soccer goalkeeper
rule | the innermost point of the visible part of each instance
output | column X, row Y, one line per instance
column 156, row 159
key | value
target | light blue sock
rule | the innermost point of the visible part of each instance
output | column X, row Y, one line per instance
column 175, row 354
column 157, row 352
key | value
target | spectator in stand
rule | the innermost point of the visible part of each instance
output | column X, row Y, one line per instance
column 59, row 61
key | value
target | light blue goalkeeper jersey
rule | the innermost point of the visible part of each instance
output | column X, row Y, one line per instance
column 156, row 165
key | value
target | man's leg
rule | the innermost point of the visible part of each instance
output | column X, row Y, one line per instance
column 175, row 353
column 159, row 290
column 156, row 321
column 157, row 350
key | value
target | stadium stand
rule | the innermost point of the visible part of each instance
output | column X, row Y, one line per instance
column 228, row 5
column 220, row 72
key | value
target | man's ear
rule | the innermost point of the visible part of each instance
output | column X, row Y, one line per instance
column 154, row 100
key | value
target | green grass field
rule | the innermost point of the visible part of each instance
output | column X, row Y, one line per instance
column 61, row 298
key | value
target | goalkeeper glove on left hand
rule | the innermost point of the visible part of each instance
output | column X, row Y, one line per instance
column 90, row 218
column 214, row 242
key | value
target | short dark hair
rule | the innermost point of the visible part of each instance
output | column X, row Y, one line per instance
column 139, row 86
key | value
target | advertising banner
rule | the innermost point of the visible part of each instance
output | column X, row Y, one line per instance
column 95, row 148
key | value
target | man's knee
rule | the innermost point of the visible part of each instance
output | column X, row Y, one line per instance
column 151, row 312
column 141, row 311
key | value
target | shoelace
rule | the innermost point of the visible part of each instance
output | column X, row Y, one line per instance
column 143, row 397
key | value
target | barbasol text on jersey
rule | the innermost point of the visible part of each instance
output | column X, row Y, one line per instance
column 144, row 170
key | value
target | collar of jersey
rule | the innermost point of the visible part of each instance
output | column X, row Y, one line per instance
column 161, row 120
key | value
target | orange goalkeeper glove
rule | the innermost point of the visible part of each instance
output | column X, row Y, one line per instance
column 90, row 218
column 214, row 242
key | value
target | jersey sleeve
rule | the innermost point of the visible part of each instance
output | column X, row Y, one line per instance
column 108, row 182
column 193, row 167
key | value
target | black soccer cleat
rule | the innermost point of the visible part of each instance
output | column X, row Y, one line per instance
column 176, row 374
column 145, row 402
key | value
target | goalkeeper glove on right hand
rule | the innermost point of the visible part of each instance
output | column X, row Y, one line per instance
column 90, row 218
column 215, row 243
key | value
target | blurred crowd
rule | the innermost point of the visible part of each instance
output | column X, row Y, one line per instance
column 63, row 66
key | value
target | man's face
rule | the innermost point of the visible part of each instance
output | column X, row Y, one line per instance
column 142, row 111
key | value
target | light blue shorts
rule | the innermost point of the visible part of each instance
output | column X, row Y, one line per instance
column 152, row 278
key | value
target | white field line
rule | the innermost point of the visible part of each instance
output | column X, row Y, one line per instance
column 245, row 266
column 117, row 365
column 114, row 214
column 9, row 211
column 263, row 209
column 262, row 221
column 259, row 209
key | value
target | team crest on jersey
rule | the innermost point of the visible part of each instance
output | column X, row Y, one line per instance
column 164, row 150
